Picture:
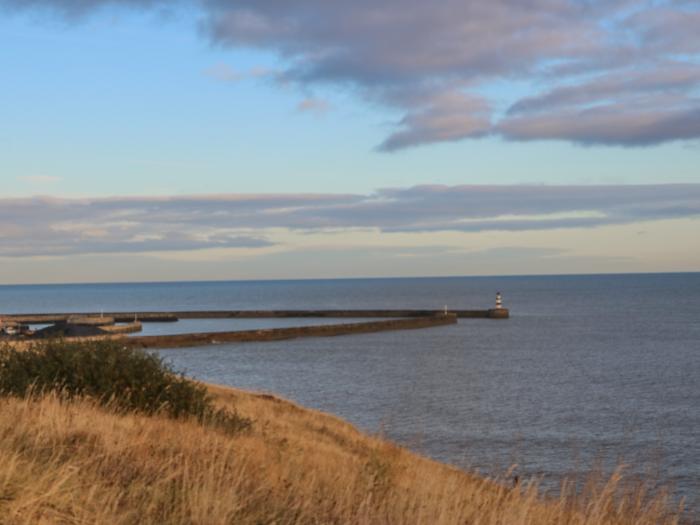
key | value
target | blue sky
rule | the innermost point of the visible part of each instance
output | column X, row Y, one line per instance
column 117, row 101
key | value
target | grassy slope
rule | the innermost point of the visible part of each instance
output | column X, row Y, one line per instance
column 77, row 463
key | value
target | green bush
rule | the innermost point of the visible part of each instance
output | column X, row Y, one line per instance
column 125, row 378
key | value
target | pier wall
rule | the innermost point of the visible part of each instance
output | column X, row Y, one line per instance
column 276, row 334
column 130, row 322
column 161, row 317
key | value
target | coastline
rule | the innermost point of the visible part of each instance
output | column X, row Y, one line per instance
column 74, row 462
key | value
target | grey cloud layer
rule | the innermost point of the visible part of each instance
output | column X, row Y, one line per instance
column 50, row 226
column 430, row 59
column 619, row 72
column 79, row 7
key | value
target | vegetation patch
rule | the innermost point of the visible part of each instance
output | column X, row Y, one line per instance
column 125, row 378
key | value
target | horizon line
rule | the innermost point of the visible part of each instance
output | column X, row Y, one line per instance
column 361, row 278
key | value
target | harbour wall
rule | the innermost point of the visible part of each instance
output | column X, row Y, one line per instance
column 161, row 317
column 277, row 334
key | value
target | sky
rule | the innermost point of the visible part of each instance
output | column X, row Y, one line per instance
column 147, row 140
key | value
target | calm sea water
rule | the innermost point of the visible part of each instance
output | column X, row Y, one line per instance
column 589, row 369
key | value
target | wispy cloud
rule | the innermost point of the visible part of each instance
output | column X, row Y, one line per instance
column 223, row 73
column 40, row 179
column 613, row 72
column 54, row 226
column 313, row 105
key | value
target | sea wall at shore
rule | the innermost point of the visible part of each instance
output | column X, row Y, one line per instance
column 126, row 328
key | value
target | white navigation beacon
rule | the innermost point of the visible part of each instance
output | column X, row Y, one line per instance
column 499, row 301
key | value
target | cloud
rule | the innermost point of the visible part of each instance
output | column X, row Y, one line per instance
column 439, row 57
column 667, row 27
column 73, row 9
column 604, row 67
column 54, row 226
column 223, row 73
column 57, row 244
column 614, row 124
column 313, row 105
column 670, row 79
column 40, row 179
column 634, row 108
column 446, row 117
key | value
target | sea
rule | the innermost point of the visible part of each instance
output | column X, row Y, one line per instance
column 589, row 373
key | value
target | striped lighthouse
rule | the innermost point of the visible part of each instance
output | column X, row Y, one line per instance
column 499, row 312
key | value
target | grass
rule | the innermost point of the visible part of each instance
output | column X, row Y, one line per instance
column 77, row 460
column 122, row 377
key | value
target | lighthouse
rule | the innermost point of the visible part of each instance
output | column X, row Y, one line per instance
column 498, row 312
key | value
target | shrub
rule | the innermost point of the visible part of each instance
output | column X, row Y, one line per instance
column 126, row 378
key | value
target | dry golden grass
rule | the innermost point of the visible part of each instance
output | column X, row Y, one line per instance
column 75, row 462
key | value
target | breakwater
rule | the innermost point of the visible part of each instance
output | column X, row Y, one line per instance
column 161, row 317
column 117, row 324
column 277, row 334
column 394, row 313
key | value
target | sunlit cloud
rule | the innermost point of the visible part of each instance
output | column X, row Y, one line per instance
column 55, row 226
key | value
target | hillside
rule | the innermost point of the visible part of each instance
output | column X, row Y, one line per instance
column 77, row 462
